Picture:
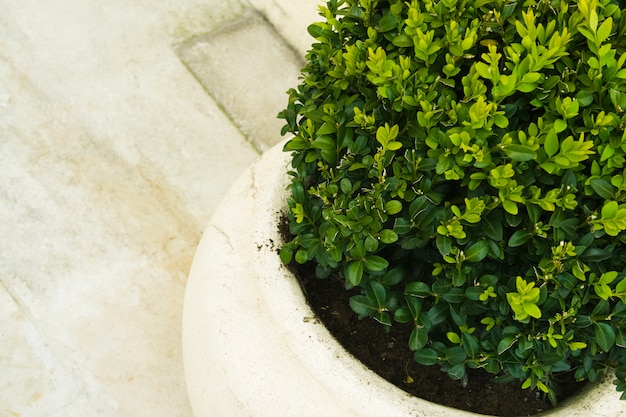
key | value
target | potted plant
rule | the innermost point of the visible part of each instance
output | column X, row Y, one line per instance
column 460, row 165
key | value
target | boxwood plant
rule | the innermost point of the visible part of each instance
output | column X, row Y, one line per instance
column 463, row 164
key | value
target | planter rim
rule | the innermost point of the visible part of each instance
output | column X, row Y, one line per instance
column 252, row 345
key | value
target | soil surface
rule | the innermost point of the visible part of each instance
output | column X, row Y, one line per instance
column 387, row 354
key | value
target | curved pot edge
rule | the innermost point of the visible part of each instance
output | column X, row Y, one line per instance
column 271, row 312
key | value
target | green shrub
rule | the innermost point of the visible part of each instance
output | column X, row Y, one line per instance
column 463, row 162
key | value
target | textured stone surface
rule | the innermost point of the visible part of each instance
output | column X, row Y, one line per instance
column 290, row 19
column 246, row 66
column 113, row 159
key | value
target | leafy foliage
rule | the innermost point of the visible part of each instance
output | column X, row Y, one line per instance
column 463, row 162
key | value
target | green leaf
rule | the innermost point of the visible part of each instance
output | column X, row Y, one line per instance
column 551, row 145
column 595, row 255
column 519, row 238
column 501, row 121
column 492, row 228
column 327, row 129
column 354, row 272
column 506, row 343
column 387, row 23
column 584, row 98
column 605, row 336
column 603, row 291
column 316, row 30
column 478, row 251
column 455, row 355
column 604, row 31
column 383, row 317
column 286, row 255
column 474, row 293
column 454, row 296
column 402, row 41
column 438, row 314
column 394, row 146
column 457, row 371
column 402, row 315
column 302, row 256
column 375, row 263
column 609, row 210
column 620, row 339
column 418, row 289
column 418, row 338
column 324, row 142
column 608, row 277
column 362, row 305
column 426, row 356
column 379, row 293
column 453, row 337
column 510, row 207
column 532, row 310
column 484, row 70
column 388, row 236
column 603, row 188
column 470, row 344
column 393, row 207
column 560, row 125
column 519, row 153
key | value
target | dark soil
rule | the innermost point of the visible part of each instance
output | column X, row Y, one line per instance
column 387, row 354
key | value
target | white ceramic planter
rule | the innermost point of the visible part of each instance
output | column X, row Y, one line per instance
column 250, row 345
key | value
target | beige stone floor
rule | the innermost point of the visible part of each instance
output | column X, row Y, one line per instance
column 118, row 137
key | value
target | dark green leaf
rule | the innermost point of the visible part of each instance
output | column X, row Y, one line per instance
column 454, row 296
column 417, row 288
column 438, row 314
column 392, row 277
column 603, row 188
column 470, row 344
column 377, row 291
column 474, row 293
column 457, row 371
column 383, row 317
column 316, row 30
column 506, row 343
column 354, row 272
column 478, row 251
column 519, row 238
column 362, row 305
column 387, row 23
column 426, row 356
column 375, row 263
column 605, row 336
column 492, row 227
column 402, row 315
column 595, row 255
column 455, row 355
column 418, row 338
column 324, row 142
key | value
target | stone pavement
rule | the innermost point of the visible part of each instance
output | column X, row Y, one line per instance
column 122, row 123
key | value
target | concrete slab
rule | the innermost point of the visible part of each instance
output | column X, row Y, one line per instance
column 290, row 19
column 113, row 160
column 38, row 385
column 247, row 68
